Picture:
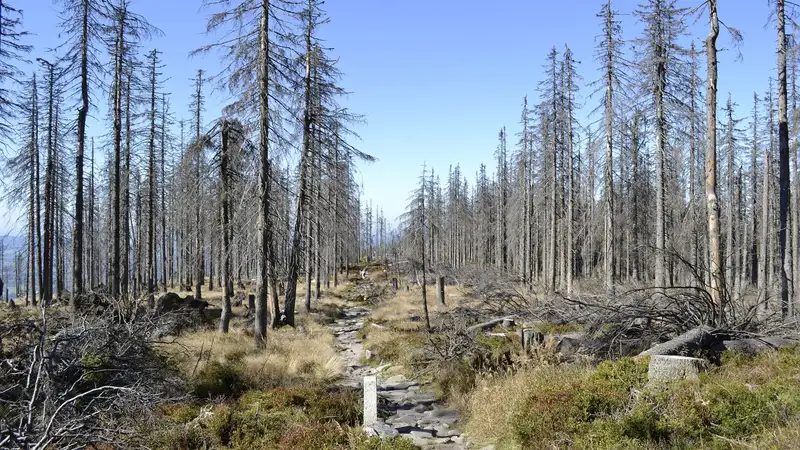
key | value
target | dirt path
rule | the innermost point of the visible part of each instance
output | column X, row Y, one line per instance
column 404, row 406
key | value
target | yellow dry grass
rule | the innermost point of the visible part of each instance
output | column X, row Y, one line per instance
column 397, row 309
column 306, row 352
column 783, row 438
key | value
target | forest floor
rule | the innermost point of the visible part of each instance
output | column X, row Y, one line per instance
column 407, row 406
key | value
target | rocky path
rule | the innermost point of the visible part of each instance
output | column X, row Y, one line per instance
column 404, row 406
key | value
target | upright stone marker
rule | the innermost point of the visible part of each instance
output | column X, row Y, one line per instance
column 370, row 400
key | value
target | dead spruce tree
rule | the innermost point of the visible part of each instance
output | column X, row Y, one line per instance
column 85, row 24
column 609, row 54
column 12, row 52
column 255, row 71
column 416, row 231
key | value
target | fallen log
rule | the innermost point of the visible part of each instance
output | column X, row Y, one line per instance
column 700, row 338
column 754, row 346
column 488, row 324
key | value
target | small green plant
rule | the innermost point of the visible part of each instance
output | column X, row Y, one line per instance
column 220, row 379
column 93, row 367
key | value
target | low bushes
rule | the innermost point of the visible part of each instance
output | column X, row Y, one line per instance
column 744, row 400
column 282, row 418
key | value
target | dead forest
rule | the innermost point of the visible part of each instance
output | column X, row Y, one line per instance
column 200, row 278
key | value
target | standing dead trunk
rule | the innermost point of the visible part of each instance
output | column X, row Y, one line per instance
column 608, row 248
column 265, row 274
column 151, row 194
column 439, row 291
column 717, row 282
column 83, row 111
column 198, row 236
column 424, row 268
column 661, row 155
column 227, row 283
column 783, row 151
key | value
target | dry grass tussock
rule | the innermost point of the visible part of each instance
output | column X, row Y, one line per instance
column 395, row 330
column 303, row 353
column 397, row 310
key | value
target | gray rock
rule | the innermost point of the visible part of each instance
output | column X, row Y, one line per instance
column 401, row 386
column 444, row 412
column 444, row 430
column 665, row 368
column 380, row 429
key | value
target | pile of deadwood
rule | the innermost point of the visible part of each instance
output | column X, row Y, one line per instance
column 639, row 323
column 83, row 380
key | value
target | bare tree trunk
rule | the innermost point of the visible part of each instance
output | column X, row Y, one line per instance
column 717, row 282
column 302, row 194
column 227, row 287
column 424, row 268
column 265, row 274
column 83, row 111
column 49, row 219
column 125, row 196
column 151, row 194
column 661, row 155
column 783, row 149
column 763, row 275
column 608, row 252
column 795, row 203
column 198, row 237
column 33, row 195
column 165, row 268
column 755, row 277
column 570, row 259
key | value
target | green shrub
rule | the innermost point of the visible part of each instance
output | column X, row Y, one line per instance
column 612, row 407
column 360, row 442
column 181, row 413
column 220, row 379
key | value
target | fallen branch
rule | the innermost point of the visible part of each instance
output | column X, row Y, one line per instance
column 488, row 324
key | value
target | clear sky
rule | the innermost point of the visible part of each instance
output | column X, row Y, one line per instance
column 437, row 79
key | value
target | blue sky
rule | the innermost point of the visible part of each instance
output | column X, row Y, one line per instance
column 437, row 79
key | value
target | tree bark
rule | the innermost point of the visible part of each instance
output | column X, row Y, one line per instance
column 227, row 284
column 83, row 111
column 783, row 150
column 265, row 274
column 717, row 283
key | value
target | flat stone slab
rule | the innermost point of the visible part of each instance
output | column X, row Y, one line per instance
column 402, row 385
column 395, row 379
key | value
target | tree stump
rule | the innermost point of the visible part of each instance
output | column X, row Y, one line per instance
column 530, row 338
column 669, row 368
column 440, row 291
column 394, row 284
column 251, row 304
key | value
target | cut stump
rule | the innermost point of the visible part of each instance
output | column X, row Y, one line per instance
column 669, row 368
